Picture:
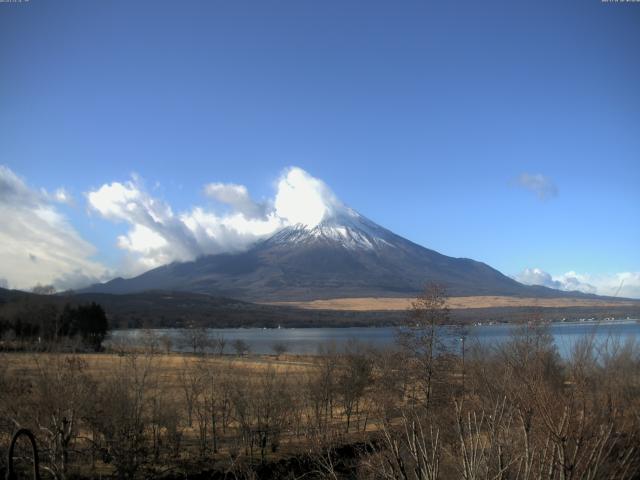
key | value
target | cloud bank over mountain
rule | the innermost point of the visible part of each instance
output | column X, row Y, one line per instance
column 158, row 235
column 40, row 246
column 37, row 243
column 623, row 284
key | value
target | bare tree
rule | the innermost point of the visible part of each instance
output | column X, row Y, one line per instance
column 119, row 415
column 240, row 346
column 44, row 289
column 166, row 342
column 61, row 392
column 195, row 339
column 150, row 341
column 411, row 451
column 321, row 388
column 421, row 337
column 190, row 383
column 390, row 382
column 220, row 343
column 354, row 376
column 279, row 348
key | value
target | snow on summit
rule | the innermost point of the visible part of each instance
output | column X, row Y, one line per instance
column 343, row 227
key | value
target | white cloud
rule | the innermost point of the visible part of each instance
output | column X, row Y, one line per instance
column 535, row 276
column 158, row 235
column 61, row 195
column 236, row 196
column 37, row 244
column 303, row 199
column 542, row 186
column 623, row 284
column 141, row 239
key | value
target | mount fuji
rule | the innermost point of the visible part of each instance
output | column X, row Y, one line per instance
column 342, row 255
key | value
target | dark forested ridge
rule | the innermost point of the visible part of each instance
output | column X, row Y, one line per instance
column 181, row 309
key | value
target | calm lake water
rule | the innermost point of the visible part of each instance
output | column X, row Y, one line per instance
column 308, row 340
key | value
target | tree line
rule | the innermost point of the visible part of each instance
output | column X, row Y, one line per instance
column 29, row 324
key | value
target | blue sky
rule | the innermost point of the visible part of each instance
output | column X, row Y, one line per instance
column 442, row 121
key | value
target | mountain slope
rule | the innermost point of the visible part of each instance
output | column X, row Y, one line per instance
column 345, row 255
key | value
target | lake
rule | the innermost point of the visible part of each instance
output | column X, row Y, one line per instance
column 307, row 340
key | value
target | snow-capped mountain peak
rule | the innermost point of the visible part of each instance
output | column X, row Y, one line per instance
column 343, row 227
column 334, row 253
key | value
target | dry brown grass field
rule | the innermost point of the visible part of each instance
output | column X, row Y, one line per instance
column 167, row 366
column 393, row 304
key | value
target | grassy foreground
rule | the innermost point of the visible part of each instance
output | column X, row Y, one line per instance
column 511, row 412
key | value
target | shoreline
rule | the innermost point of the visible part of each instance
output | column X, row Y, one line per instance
column 616, row 321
